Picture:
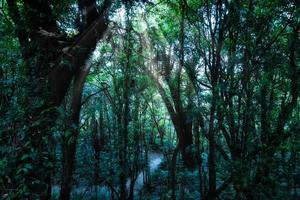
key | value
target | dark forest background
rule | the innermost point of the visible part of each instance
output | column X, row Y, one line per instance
column 158, row 99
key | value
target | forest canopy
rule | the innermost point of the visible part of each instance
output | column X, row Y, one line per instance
column 150, row 99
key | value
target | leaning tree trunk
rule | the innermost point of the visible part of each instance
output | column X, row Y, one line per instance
column 70, row 141
column 45, row 51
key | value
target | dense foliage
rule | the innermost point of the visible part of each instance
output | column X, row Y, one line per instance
column 162, row 99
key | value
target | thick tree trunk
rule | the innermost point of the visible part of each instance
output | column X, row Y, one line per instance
column 173, row 172
column 49, row 80
column 69, row 146
column 212, row 152
column 185, row 138
column 68, row 168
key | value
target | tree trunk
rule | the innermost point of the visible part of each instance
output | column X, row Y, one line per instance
column 212, row 152
column 49, row 79
column 70, row 143
column 173, row 172
column 68, row 168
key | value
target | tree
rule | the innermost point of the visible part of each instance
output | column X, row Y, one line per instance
column 52, row 60
column 153, row 100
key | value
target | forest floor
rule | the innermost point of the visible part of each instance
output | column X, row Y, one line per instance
column 155, row 159
column 85, row 192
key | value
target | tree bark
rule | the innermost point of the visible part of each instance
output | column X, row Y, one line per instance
column 49, row 77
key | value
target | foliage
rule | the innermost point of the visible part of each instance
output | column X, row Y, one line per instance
column 164, row 99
